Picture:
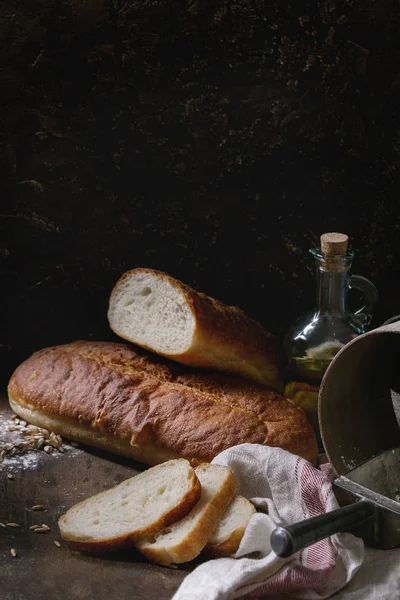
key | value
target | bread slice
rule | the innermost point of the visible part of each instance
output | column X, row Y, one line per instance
column 185, row 539
column 137, row 507
column 227, row 536
column 164, row 315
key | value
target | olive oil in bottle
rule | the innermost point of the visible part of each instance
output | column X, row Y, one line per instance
column 318, row 336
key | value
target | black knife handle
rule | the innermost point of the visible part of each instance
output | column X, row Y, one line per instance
column 285, row 541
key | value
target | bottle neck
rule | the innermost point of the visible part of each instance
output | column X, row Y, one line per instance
column 331, row 291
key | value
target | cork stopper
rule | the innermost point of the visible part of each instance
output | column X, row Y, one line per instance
column 333, row 257
column 334, row 244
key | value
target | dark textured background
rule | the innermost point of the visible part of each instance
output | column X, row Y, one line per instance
column 215, row 140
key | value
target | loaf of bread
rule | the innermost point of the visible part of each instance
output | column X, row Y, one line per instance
column 124, row 400
column 133, row 510
column 162, row 314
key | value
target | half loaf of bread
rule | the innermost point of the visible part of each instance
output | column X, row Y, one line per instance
column 164, row 315
column 132, row 510
column 121, row 399
column 184, row 540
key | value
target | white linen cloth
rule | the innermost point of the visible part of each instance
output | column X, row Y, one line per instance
column 290, row 489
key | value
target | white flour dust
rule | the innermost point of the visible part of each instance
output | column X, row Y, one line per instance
column 16, row 452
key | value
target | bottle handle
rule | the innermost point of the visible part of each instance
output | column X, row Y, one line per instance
column 363, row 315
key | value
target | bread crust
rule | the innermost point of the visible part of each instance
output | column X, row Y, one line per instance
column 227, row 548
column 153, row 409
column 225, row 338
column 149, row 454
column 231, row 544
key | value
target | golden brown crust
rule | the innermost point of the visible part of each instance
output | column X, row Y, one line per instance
column 225, row 338
column 122, row 391
column 227, row 548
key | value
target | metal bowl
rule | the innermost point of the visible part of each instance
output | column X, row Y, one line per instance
column 359, row 401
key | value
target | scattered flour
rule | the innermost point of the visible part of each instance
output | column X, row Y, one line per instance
column 24, row 458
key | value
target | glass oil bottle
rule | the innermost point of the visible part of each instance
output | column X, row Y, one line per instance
column 317, row 337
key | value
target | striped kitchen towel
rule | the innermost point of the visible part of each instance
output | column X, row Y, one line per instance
column 285, row 489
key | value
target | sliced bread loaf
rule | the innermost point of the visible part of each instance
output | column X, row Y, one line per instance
column 185, row 539
column 137, row 507
column 226, row 538
column 164, row 315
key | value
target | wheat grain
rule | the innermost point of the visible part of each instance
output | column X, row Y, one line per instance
column 41, row 530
